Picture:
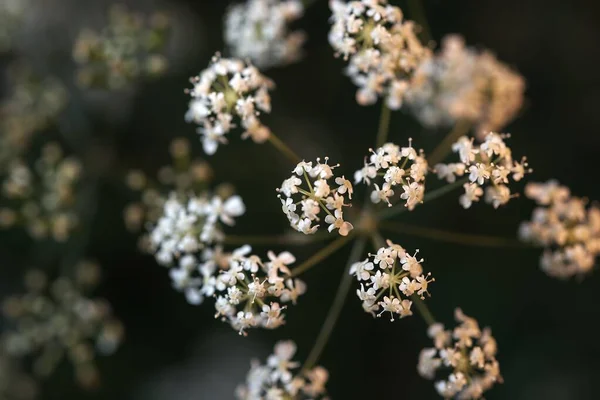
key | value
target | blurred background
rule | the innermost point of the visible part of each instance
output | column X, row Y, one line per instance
column 546, row 329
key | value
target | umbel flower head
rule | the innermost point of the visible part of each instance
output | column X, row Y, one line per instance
column 55, row 321
column 183, row 175
column 278, row 378
column 191, row 223
column 399, row 166
column 566, row 227
column 258, row 30
column 468, row 353
column 41, row 198
column 127, row 48
column 312, row 191
column 382, row 49
column 488, row 165
column 462, row 84
column 386, row 277
column 250, row 289
column 227, row 93
column 30, row 107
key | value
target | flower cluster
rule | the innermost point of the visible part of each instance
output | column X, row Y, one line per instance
column 32, row 104
column 382, row 48
column 11, row 15
column 461, row 84
column 468, row 352
column 390, row 272
column 250, row 289
column 303, row 206
column 567, row 229
column 191, row 223
column 399, row 166
column 57, row 320
column 183, row 175
column 258, row 30
column 128, row 47
column 489, row 162
column 42, row 198
column 229, row 90
column 277, row 380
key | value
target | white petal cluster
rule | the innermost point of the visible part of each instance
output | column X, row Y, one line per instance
column 386, row 276
column 566, row 226
column 312, row 191
column 227, row 93
column 279, row 379
column 399, row 166
column 259, row 30
column 250, row 290
column 187, row 226
column 382, row 49
column 459, row 83
column 467, row 352
column 489, row 164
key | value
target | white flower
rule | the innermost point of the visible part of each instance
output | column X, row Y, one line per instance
column 228, row 90
column 259, row 30
column 400, row 166
column 316, row 196
column 473, row 370
column 566, row 227
column 388, row 274
column 280, row 379
column 382, row 50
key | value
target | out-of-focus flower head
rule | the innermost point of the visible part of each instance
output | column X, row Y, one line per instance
column 129, row 47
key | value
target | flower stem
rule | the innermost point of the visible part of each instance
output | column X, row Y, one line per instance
column 423, row 310
column 443, row 148
column 284, row 149
column 274, row 240
column 434, row 194
column 322, row 254
column 384, row 124
column 417, row 12
column 451, row 237
column 336, row 307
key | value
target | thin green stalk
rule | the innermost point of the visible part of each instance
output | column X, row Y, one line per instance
column 423, row 310
column 336, row 306
column 276, row 240
column 417, row 12
column 322, row 254
column 451, row 237
column 284, row 149
column 443, row 148
column 384, row 124
column 434, row 194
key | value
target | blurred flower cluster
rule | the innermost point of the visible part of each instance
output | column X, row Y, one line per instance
column 56, row 320
column 41, row 198
column 566, row 227
column 459, row 83
column 32, row 104
column 129, row 47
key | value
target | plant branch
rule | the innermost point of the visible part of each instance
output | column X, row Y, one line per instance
column 417, row 12
column 336, row 306
column 443, row 148
column 284, row 148
column 276, row 240
column 384, row 124
column 322, row 254
column 423, row 310
column 451, row 237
